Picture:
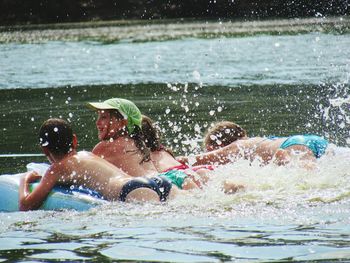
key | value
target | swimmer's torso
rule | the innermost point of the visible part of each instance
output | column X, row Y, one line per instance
column 123, row 153
column 260, row 148
column 88, row 170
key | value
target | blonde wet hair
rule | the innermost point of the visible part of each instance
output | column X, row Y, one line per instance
column 221, row 134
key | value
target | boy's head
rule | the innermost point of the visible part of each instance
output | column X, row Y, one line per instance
column 56, row 135
column 221, row 134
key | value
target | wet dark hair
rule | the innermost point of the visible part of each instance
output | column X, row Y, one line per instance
column 57, row 136
column 153, row 136
column 137, row 136
column 223, row 133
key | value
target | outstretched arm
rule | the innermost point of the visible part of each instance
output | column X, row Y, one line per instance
column 33, row 200
column 223, row 155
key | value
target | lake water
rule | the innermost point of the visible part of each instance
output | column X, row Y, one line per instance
column 277, row 77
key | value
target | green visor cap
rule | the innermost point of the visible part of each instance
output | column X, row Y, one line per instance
column 127, row 108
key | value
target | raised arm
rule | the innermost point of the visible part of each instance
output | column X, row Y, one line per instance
column 33, row 200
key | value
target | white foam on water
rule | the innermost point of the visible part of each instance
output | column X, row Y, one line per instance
column 280, row 205
column 276, row 194
column 272, row 190
column 269, row 189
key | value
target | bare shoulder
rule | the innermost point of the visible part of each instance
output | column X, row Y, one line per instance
column 115, row 151
column 124, row 143
column 99, row 148
column 73, row 163
column 55, row 171
column 82, row 155
column 105, row 148
column 121, row 145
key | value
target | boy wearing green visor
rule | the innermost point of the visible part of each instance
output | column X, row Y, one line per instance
column 121, row 141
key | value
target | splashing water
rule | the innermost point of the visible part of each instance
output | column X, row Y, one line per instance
column 336, row 113
column 283, row 214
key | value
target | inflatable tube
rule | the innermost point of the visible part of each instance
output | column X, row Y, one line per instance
column 76, row 198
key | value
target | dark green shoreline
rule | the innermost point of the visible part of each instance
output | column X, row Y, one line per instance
column 138, row 22
column 142, row 31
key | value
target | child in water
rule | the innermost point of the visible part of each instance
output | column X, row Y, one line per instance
column 227, row 142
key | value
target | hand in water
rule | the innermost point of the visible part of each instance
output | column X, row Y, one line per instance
column 230, row 187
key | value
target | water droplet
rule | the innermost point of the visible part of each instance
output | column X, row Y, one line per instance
column 196, row 75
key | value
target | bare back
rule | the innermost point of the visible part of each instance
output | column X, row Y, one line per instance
column 163, row 160
column 123, row 153
column 260, row 148
column 90, row 171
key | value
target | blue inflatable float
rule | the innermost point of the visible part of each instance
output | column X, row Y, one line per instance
column 76, row 198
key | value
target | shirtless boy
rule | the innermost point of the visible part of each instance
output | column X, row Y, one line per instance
column 69, row 167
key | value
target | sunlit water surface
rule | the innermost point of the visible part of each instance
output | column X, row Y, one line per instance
column 273, row 84
column 299, row 59
column 283, row 214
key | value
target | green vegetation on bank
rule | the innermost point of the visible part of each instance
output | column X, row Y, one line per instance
column 59, row 11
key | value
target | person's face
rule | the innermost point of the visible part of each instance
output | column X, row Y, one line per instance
column 107, row 125
column 103, row 124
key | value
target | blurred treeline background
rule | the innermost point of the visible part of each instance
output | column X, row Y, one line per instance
column 57, row 11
